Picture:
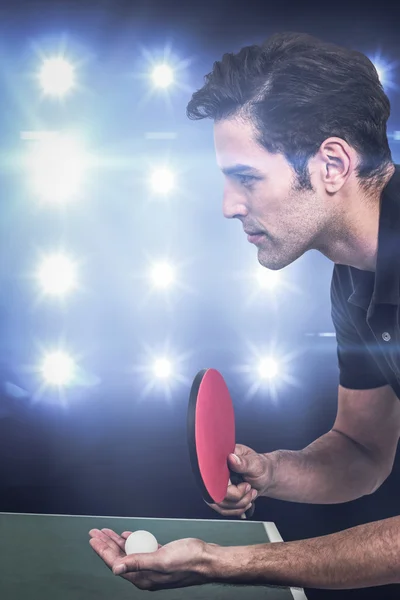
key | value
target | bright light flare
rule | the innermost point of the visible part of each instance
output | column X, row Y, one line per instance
column 56, row 76
column 162, row 275
column 58, row 369
column 57, row 275
column 163, row 368
column 163, row 76
column 268, row 368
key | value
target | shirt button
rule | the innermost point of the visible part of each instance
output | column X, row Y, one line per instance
column 386, row 336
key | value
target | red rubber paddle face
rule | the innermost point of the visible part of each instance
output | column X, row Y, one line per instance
column 214, row 433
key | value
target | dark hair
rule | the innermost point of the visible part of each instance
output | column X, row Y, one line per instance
column 298, row 91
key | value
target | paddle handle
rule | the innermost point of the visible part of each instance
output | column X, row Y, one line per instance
column 235, row 479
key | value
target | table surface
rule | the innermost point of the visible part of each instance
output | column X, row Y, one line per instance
column 48, row 557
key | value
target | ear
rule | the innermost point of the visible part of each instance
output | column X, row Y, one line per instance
column 337, row 160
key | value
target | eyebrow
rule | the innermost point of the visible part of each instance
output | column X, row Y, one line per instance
column 240, row 169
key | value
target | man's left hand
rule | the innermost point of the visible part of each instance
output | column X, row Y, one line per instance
column 178, row 564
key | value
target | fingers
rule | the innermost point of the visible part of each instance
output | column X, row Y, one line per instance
column 235, row 493
column 111, row 548
column 108, row 550
column 118, row 539
column 237, row 500
column 230, row 512
column 238, row 496
column 101, row 535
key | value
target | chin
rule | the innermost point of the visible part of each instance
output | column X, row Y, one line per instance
column 274, row 263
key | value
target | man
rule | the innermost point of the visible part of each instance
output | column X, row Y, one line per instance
column 300, row 135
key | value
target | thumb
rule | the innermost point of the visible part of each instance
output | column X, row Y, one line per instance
column 237, row 463
column 133, row 563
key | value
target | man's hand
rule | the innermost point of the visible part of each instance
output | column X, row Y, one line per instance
column 177, row 564
column 256, row 470
column 363, row 556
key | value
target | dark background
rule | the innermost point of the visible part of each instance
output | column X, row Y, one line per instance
column 108, row 449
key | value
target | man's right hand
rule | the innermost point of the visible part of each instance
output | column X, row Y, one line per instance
column 256, row 472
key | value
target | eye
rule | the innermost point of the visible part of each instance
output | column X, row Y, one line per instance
column 246, row 180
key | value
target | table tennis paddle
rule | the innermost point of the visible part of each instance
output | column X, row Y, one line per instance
column 211, row 436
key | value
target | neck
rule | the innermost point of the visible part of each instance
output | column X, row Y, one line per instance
column 352, row 238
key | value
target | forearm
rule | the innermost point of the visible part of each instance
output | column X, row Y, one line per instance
column 363, row 556
column 331, row 470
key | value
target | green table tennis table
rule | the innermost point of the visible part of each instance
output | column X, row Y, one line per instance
column 48, row 557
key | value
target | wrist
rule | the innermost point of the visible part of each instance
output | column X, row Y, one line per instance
column 227, row 564
column 209, row 562
column 258, row 564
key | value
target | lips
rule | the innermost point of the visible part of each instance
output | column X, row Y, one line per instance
column 254, row 239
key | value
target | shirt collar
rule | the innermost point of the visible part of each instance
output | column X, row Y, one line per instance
column 382, row 287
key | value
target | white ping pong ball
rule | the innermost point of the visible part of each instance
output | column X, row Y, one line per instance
column 140, row 542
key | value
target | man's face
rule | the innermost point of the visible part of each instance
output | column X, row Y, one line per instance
column 267, row 198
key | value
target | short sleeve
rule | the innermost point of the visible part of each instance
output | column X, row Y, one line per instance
column 357, row 367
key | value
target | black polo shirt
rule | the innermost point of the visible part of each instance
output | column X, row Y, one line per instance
column 366, row 307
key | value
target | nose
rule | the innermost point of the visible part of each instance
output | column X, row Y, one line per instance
column 233, row 205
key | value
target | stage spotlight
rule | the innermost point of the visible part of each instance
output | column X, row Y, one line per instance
column 56, row 76
column 268, row 368
column 162, row 275
column 57, row 275
column 58, row 369
column 163, row 76
column 162, row 368
column 386, row 70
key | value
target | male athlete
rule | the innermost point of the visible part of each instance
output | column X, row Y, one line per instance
column 300, row 136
